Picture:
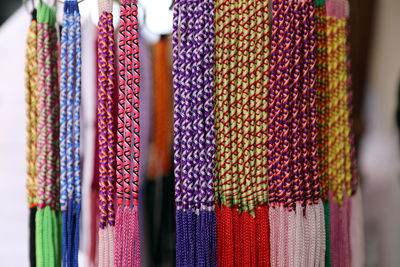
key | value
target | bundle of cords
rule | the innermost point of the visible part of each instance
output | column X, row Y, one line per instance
column 70, row 101
column 105, row 128
column 296, row 210
column 31, row 86
column 241, row 82
column 48, row 220
column 127, row 237
column 194, row 152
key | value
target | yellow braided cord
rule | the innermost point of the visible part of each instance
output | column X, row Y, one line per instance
column 339, row 155
column 31, row 79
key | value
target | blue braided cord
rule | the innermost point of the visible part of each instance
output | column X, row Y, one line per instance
column 77, row 103
column 63, row 111
column 63, row 106
column 70, row 102
column 70, row 122
column 77, row 165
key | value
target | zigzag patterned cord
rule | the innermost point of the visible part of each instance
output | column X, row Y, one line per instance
column 110, row 118
column 128, row 107
column 135, row 104
column 101, row 113
column 121, row 106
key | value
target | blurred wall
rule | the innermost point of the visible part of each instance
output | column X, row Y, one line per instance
column 379, row 151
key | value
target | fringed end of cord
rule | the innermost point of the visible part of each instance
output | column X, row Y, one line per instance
column 48, row 237
column 340, row 247
column 243, row 239
column 103, row 247
column 135, row 235
column 118, row 236
column 196, row 238
column 297, row 237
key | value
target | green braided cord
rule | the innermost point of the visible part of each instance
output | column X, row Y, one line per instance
column 328, row 262
column 320, row 2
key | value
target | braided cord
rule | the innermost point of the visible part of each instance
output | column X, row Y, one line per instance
column 77, row 105
column 63, row 109
column 128, row 106
column 273, row 101
column 135, row 104
column 110, row 118
column 31, row 84
column 70, row 98
column 101, row 114
column 177, row 104
column 121, row 106
column 296, row 143
column 339, row 142
column 47, row 234
column 322, row 98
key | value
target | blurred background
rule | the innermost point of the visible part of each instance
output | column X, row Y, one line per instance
column 375, row 67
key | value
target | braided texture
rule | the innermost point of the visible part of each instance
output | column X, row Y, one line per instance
column 70, row 98
column 127, row 239
column 240, row 102
column 194, row 140
column 107, row 155
column 31, row 83
column 340, row 164
column 292, row 128
column 47, row 230
column 47, row 162
column 105, row 119
column 322, row 98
